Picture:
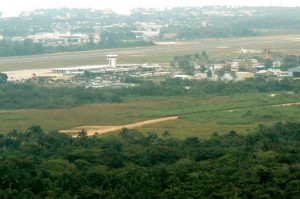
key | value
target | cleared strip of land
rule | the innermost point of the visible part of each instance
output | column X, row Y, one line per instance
column 288, row 104
column 274, row 105
column 98, row 130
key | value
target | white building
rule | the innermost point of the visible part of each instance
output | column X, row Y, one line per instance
column 235, row 66
column 112, row 60
column 274, row 72
column 147, row 34
column 79, row 70
column 59, row 38
column 218, row 66
column 276, row 64
column 280, row 73
column 254, row 61
column 227, row 77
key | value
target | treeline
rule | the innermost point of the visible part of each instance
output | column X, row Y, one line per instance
column 35, row 164
column 177, row 87
column 188, row 62
column 14, row 48
column 28, row 47
column 184, row 31
column 16, row 96
column 291, row 61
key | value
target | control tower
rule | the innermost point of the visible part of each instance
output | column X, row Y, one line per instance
column 112, row 60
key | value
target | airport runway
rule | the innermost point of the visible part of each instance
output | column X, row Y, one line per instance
column 216, row 47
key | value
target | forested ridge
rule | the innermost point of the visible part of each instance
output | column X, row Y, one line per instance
column 117, row 31
column 264, row 164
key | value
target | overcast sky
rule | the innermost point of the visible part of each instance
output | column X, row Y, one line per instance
column 14, row 7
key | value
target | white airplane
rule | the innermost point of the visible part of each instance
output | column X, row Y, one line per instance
column 243, row 50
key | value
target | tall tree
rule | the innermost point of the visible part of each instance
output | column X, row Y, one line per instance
column 3, row 78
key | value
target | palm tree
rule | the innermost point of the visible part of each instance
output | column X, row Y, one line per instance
column 82, row 133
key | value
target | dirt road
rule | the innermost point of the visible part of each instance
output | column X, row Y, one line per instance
column 275, row 105
column 97, row 130
column 289, row 104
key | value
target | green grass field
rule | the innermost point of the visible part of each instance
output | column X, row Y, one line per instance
column 199, row 116
column 218, row 49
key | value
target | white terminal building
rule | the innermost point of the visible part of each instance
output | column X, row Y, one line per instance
column 112, row 66
column 141, row 70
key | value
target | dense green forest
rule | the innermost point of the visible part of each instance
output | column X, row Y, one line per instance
column 193, row 32
column 15, row 96
column 177, row 87
column 264, row 164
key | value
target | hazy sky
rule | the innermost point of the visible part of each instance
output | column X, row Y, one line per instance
column 14, row 7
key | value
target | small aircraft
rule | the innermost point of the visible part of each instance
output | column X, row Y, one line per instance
column 243, row 50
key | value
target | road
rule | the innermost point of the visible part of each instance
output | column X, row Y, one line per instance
column 100, row 53
column 97, row 130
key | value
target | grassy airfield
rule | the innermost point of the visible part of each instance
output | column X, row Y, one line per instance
column 198, row 116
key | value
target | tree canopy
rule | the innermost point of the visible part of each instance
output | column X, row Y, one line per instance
column 3, row 78
column 27, row 95
column 264, row 164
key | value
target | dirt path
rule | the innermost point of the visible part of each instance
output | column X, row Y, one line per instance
column 289, row 104
column 97, row 130
column 274, row 105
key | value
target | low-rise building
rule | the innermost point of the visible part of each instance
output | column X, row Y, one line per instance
column 295, row 72
column 227, row 77
column 253, row 61
column 200, row 76
column 235, row 66
column 218, row 67
column 59, row 38
column 274, row 72
column 263, row 73
column 147, row 34
column 280, row 73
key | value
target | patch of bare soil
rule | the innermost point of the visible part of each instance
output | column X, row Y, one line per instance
column 97, row 130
